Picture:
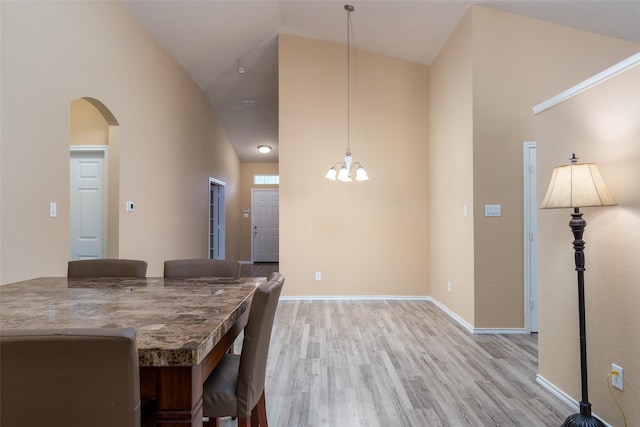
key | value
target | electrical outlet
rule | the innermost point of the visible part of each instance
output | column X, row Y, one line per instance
column 449, row 286
column 318, row 275
column 617, row 380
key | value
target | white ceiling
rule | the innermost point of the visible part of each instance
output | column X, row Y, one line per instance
column 211, row 39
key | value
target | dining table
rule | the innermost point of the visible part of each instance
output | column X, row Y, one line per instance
column 183, row 326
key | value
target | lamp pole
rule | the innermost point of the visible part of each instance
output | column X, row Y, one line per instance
column 584, row 418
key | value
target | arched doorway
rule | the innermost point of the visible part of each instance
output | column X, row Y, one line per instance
column 93, row 180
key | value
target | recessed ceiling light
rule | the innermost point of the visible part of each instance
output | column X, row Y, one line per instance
column 242, row 70
column 264, row 149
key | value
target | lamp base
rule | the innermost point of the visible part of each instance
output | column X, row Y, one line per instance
column 579, row 420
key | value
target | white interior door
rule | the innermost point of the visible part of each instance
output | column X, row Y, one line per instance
column 530, row 238
column 88, row 204
column 266, row 229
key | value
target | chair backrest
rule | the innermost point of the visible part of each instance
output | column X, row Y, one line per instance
column 201, row 268
column 69, row 378
column 107, row 268
column 255, row 347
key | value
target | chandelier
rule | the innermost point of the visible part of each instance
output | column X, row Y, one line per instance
column 343, row 170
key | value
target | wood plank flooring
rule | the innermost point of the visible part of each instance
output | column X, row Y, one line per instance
column 398, row 363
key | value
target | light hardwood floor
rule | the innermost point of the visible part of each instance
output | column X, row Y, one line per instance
column 398, row 363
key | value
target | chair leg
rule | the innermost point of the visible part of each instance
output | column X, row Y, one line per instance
column 244, row 422
column 261, row 411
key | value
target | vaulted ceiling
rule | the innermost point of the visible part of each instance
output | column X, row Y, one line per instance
column 212, row 39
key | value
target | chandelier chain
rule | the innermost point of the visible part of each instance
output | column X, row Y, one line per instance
column 349, row 9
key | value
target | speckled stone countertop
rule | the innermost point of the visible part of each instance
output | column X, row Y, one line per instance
column 177, row 321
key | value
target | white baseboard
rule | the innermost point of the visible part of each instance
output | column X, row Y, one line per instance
column 355, row 298
column 477, row 331
column 564, row 397
column 454, row 316
column 499, row 331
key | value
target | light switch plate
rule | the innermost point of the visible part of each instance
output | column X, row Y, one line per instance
column 492, row 210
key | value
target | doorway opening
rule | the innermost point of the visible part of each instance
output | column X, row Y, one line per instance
column 93, row 181
column 216, row 219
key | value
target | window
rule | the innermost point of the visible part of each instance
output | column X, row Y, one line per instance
column 266, row 179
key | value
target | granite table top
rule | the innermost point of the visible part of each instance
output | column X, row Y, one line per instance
column 177, row 321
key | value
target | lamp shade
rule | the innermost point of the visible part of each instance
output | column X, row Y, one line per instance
column 577, row 185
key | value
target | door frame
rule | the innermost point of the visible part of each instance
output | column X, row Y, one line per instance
column 221, row 220
column 530, row 232
column 103, row 149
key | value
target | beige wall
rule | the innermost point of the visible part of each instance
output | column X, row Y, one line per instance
column 170, row 142
column 517, row 63
column 501, row 64
column 367, row 238
column 451, row 173
column 247, row 171
column 88, row 125
column 600, row 125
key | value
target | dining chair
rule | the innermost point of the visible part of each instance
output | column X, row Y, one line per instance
column 235, row 388
column 204, row 267
column 69, row 378
column 107, row 268
column 179, row 268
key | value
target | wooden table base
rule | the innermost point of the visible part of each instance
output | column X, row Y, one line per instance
column 177, row 391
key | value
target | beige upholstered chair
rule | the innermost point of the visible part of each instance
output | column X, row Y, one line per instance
column 201, row 268
column 69, row 378
column 236, row 386
column 107, row 268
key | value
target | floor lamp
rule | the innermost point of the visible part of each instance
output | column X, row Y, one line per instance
column 575, row 186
